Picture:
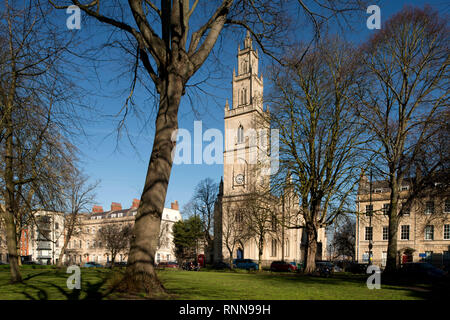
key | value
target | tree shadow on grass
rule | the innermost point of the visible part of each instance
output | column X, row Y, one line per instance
column 89, row 290
column 417, row 289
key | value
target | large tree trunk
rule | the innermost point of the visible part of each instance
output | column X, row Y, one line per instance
column 140, row 273
column 60, row 263
column 231, row 258
column 11, row 230
column 260, row 253
column 391, row 259
column 11, row 241
column 311, row 248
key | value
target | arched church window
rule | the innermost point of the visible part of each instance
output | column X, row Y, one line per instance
column 240, row 134
column 244, row 67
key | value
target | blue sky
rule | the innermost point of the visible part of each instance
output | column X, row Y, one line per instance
column 121, row 167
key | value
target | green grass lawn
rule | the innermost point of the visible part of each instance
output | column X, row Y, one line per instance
column 267, row 286
column 46, row 283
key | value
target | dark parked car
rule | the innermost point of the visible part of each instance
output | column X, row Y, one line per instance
column 191, row 266
column 247, row 264
column 282, row 266
column 355, row 267
column 324, row 268
column 422, row 270
column 32, row 263
column 220, row 265
column 92, row 265
column 170, row 264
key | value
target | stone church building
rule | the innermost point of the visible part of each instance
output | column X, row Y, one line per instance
column 246, row 169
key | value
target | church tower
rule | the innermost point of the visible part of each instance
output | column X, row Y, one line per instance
column 241, row 123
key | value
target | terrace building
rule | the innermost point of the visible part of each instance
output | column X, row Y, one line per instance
column 423, row 231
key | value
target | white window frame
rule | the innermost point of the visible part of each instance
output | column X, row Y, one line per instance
column 431, row 207
column 385, row 233
column 401, row 232
column 448, row 232
column 429, row 232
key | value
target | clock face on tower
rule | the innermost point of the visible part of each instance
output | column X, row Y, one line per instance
column 239, row 179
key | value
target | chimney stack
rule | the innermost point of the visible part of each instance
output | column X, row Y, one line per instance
column 174, row 205
column 135, row 204
column 116, row 206
column 97, row 209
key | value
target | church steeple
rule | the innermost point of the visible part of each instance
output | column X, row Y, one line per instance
column 248, row 41
column 247, row 84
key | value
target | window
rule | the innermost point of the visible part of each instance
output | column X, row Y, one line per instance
column 446, row 231
column 429, row 232
column 378, row 190
column 274, row 247
column 369, row 233
column 386, row 209
column 244, row 67
column 406, row 209
column 447, row 206
column 244, row 96
column 286, row 248
column 274, row 223
column 404, row 234
column 56, row 226
column 369, row 210
column 405, row 188
column 429, row 207
column 385, row 233
column 240, row 137
column 80, row 244
column 366, row 256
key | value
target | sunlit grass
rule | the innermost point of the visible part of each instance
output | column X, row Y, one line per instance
column 49, row 283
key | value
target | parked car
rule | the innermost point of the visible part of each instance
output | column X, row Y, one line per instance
column 246, row 264
column 324, row 268
column 282, row 266
column 191, row 266
column 169, row 264
column 116, row 264
column 220, row 265
column 32, row 263
column 422, row 270
column 92, row 265
column 355, row 267
column 172, row 264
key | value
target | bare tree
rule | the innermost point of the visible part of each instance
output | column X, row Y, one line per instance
column 406, row 64
column 234, row 231
column 80, row 196
column 258, row 214
column 116, row 238
column 34, row 100
column 311, row 105
column 171, row 52
column 202, row 205
column 343, row 241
